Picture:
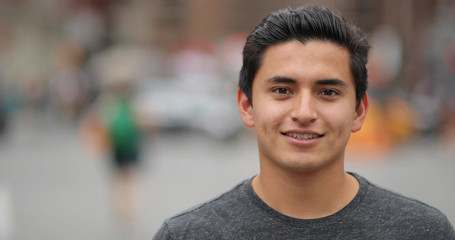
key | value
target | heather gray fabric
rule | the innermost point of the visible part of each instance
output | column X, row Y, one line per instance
column 374, row 213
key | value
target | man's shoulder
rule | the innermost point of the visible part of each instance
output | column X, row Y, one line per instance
column 397, row 203
column 396, row 211
column 223, row 202
column 210, row 215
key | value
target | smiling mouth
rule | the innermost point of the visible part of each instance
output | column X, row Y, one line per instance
column 303, row 136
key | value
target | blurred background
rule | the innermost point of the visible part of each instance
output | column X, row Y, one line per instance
column 77, row 74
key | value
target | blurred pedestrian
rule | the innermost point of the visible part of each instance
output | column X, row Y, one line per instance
column 70, row 87
column 114, row 129
column 125, row 149
column 122, row 133
column 303, row 89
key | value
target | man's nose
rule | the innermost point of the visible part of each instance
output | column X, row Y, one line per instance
column 304, row 108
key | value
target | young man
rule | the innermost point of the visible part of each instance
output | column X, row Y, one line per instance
column 303, row 89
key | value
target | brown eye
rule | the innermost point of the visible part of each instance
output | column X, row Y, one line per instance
column 281, row 91
column 329, row 92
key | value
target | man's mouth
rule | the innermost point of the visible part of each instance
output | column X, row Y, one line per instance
column 303, row 136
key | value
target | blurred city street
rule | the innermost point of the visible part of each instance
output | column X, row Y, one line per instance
column 61, row 191
column 74, row 73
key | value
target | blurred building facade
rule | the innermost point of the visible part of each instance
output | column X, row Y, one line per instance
column 412, row 60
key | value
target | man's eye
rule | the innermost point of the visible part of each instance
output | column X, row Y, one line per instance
column 329, row 92
column 282, row 91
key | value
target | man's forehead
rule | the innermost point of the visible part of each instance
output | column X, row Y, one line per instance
column 322, row 58
column 322, row 46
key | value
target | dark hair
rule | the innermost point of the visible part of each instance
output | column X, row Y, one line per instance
column 305, row 23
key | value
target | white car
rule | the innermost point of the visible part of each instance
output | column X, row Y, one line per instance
column 173, row 103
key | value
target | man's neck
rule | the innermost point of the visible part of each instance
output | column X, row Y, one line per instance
column 306, row 195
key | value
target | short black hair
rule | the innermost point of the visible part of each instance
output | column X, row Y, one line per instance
column 305, row 23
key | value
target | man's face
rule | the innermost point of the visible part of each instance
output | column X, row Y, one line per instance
column 304, row 106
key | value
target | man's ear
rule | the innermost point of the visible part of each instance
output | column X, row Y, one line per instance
column 360, row 114
column 245, row 108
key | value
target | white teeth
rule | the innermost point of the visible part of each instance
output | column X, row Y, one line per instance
column 302, row 136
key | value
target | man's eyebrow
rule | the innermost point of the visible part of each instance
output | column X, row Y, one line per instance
column 288, row 80
column 334, row 81
column 281, row 79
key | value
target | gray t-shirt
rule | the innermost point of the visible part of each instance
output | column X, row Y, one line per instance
column 374, row 213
